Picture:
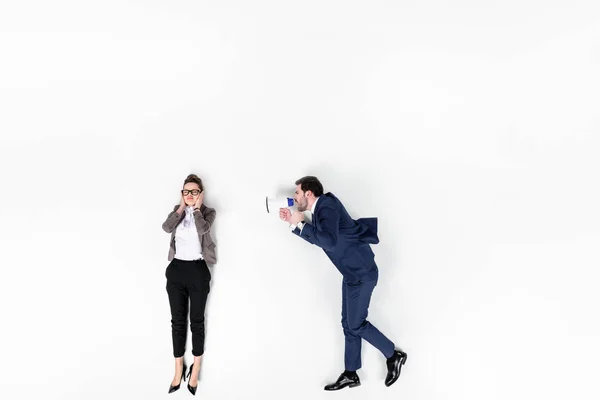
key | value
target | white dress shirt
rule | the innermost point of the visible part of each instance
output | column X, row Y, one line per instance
column 187, row 242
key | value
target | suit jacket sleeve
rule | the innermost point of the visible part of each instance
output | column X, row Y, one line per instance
column 203, row 223
column 327, row 235
column 171, row 221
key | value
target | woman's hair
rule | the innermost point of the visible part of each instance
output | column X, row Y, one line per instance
column 193, row 178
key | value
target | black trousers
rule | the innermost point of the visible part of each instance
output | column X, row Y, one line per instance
column 188, row 282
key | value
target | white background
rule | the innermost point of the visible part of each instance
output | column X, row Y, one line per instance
column 470, row 128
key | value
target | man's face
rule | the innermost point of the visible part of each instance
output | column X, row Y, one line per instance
column 300, row 199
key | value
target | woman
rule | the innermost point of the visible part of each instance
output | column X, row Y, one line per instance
column 188, row 277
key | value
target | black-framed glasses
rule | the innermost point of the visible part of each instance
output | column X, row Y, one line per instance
column 194, row 192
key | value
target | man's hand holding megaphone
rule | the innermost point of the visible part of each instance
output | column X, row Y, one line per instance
column 286, row 215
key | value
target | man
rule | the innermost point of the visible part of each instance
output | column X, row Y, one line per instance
column 347, row 244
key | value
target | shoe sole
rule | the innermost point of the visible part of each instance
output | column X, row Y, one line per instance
column 345, row 386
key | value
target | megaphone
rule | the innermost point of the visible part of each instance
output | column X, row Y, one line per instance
column 274, row 204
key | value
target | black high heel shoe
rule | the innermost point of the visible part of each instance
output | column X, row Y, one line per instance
column 175, row 388
column 192, row 389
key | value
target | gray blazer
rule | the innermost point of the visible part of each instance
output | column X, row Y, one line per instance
column 204, row 219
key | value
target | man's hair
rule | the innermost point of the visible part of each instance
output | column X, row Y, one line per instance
column 310, row 183
column 193, row 178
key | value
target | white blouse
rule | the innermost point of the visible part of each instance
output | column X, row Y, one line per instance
column 187, row 242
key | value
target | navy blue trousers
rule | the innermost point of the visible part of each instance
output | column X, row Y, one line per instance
column 355, row 305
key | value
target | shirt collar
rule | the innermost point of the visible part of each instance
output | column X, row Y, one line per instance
column 312, row 209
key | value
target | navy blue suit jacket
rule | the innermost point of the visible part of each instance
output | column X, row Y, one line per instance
column 345, row 241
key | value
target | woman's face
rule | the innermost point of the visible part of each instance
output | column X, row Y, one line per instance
column 190, row 193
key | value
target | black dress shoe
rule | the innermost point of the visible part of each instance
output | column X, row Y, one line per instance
column 176, row 387
column 343, row 381
column 395, row 367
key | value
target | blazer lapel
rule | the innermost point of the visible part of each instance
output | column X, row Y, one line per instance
column 315, row 220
